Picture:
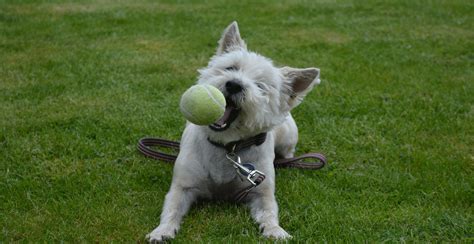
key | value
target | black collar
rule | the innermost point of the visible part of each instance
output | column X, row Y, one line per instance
column 236, row 146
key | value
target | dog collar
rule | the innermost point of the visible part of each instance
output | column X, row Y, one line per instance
column 237, row 146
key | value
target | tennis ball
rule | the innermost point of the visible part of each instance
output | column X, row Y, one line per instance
column 202, row 104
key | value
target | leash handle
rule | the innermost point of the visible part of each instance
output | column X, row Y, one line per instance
column 297, row 162
column 145, row 144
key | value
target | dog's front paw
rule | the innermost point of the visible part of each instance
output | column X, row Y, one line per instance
column 276, row 232
column 161, row 234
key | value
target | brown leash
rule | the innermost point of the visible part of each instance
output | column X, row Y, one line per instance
column 145, row 147
column 245, row 170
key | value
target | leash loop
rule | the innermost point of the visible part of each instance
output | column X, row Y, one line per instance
column 145, row 144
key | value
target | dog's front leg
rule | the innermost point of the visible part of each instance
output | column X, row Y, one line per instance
column 264, row 210
column 177, row 203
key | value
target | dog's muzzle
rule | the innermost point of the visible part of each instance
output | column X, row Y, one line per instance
column 230, row 114
column 232, row 88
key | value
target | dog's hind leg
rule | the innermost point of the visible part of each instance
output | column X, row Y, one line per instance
column 177, row 203
column 286, row 137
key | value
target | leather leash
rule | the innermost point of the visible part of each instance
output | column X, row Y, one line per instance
column 145, row 144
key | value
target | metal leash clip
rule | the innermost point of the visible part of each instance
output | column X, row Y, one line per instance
column 247, row 170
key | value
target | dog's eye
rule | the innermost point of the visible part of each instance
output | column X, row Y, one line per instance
column 231, row 68
column 261, row 86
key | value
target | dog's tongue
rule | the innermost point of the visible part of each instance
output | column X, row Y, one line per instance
column 222, row 121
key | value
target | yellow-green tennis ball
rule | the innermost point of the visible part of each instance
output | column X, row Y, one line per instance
column 202, row 104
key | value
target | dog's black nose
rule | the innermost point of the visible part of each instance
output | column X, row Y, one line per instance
column 233, row 87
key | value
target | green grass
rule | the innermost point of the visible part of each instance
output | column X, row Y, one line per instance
column 81, row 82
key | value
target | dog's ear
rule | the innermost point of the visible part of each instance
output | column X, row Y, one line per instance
column 231, row 40
column 299, row 83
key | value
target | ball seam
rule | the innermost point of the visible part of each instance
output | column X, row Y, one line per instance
column 188, row 114
column 213, row 98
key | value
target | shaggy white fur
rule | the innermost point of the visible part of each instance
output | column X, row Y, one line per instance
column 264, row 97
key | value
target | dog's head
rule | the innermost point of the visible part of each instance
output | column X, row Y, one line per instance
column 259, row 95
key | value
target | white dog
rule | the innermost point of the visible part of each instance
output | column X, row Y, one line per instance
column 256, row 126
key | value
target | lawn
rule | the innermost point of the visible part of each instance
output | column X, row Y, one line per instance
column 81, row 82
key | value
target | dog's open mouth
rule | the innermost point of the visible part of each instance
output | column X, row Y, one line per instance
column 230, row 114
